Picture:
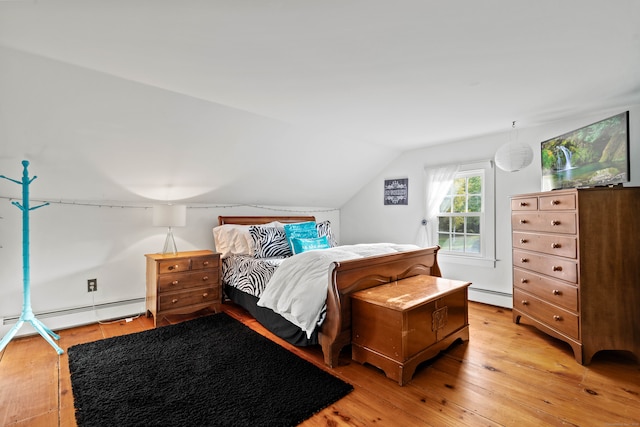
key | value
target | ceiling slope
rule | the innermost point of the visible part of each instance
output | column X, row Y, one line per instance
column 209, row 98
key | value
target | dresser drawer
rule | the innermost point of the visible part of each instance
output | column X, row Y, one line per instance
column 558, row 202
column 560, row 268
column 566, row 246
column 551, row 290
column 188, row 298
column 528, row 204
column 174, row 266
column 554, row 317
column 178, row 281
column 204, row 262
column 551, row 222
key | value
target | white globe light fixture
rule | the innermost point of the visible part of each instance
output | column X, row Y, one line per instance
column 514, row 156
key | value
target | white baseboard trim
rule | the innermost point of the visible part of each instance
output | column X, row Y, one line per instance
column 77, row 316
column 487, row 296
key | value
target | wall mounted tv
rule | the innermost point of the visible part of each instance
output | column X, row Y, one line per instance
column 595, row 155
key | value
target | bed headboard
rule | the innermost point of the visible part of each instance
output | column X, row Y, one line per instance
column 256, row 220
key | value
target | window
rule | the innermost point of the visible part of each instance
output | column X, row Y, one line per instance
column 461, row 217
column 464, row 226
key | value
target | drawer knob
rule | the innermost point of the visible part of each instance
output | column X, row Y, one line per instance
column 173, row 267
column 205, row 295
column 555, row 245
column 557, row 318
column 555, row 222
column 556, row 292
column 523, row 221
column 523, row 204
column 175, row 300
column 205, row 263
column 175, row 282
column 523, row 260
column 523, row 241
column 205, row 278
column 523, row 280
column 556, row 268
column 555, row 202
column 525, row 302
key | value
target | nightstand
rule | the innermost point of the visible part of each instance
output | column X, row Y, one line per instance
column 182, row 283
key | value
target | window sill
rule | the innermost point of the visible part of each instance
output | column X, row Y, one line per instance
column 467, row 260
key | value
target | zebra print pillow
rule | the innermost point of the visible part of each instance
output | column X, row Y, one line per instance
column 269, row 242
column 324, row 229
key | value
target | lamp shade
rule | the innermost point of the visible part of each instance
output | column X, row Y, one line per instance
column 513, row 156
column 170, row 215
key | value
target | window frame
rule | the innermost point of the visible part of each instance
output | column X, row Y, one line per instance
column 486, row 257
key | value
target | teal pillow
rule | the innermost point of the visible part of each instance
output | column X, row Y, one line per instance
column 303, row 245
column 302, row 230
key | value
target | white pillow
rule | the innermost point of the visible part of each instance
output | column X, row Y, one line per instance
column 232, row 239
column 235, row 239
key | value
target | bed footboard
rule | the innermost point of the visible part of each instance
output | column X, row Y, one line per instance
column 351, row 276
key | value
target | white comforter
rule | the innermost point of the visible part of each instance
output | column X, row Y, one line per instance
column 298, row 288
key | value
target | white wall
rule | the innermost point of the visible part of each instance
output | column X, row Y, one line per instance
column 73, row 243
column 365, row 219
column 96, row 137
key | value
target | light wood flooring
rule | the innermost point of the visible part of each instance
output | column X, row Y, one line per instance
column 506, row 375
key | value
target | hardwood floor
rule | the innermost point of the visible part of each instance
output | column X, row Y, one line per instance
column 506, row 375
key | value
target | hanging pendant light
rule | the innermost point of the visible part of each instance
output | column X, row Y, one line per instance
column 514, row 155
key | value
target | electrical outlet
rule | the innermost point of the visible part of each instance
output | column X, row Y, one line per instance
column 92, row 285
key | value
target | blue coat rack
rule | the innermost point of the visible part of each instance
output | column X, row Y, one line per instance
column 27, row 313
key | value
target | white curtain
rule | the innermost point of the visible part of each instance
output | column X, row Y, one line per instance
column 438, row 182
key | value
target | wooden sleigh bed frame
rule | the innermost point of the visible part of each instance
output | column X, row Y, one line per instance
column 347, row 277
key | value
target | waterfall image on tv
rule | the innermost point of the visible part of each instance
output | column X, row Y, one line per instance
column 595, row 155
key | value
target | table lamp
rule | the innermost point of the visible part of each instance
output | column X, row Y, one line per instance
column 169, row 216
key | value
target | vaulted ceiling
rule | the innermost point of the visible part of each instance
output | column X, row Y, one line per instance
column 290, row 101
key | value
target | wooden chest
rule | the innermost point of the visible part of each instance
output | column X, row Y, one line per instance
column 397, row 326
column 576, row 267
column 182, row 283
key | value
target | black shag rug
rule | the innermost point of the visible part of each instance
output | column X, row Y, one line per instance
column 211, row 371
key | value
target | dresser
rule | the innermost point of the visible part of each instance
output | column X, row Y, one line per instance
column 397, row 326
column 182, row 283
column 576, row 267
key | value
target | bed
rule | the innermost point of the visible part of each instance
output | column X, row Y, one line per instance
column 333, row 330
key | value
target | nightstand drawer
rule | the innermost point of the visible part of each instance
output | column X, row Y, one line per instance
column 189, row 298
column 174, row 266
column 178, row 281
column 204, row 262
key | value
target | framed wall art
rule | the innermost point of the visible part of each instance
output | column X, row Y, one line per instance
column 396, row 191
